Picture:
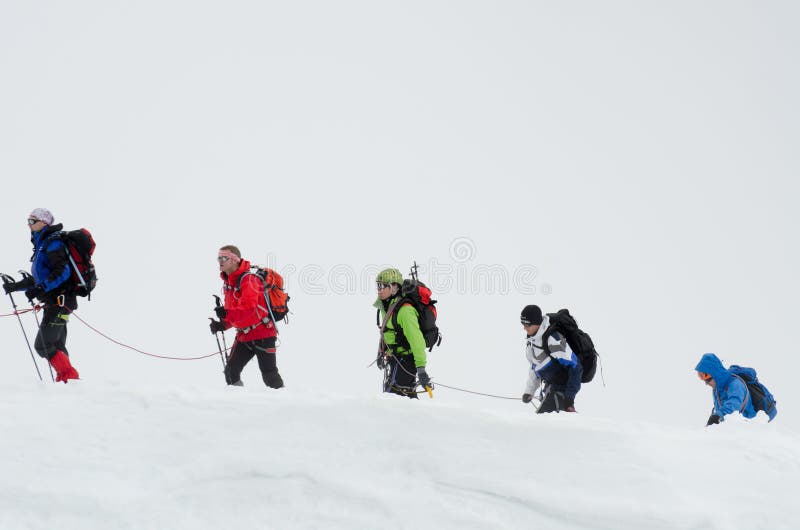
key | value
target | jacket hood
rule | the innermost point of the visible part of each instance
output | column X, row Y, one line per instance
column 45, row 232
column 711, row 365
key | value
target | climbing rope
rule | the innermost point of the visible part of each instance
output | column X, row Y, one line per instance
column 454, row 387
column 140, row 351
column 18, row 312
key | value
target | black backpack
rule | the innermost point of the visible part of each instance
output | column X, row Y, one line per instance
column 760, row 396
column 417, row 294
column 80, row 247
column 579, row 341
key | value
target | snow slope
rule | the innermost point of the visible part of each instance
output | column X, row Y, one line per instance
column 106, row 455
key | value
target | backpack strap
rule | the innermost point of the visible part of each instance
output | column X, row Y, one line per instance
column 267, row 319
column 400, row 337
column 382, row 326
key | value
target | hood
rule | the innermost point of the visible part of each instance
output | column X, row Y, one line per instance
column 711, row 365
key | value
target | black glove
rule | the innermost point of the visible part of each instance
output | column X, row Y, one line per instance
column 34, row 292
column 423, row 378
column 526, row 398
column 10, row 287
column 712, row 420
column 216, row 326
column 381, row 361
column 221, row 312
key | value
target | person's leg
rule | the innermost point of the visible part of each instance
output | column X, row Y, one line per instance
column 51, row 342
column 241, row 354
column 52, row 335
column 266, row 354
column 403, row 380
column 549, row 401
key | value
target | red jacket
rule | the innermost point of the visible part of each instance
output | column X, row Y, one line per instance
column 246, row 306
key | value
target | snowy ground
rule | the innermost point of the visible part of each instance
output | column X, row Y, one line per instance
column 105, row 455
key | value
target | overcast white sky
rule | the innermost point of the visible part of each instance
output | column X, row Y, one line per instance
column 640, row 157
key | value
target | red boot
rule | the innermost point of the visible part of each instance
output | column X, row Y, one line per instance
column 64, row 370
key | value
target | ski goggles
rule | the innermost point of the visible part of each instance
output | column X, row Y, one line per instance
column 704, row 377
column 382, row 285
column 32, row 222
column 222, row 259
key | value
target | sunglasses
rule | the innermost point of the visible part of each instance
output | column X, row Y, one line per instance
column 32, row 222
column 383, row 285
column 223, row 259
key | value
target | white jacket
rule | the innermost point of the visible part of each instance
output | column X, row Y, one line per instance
column 538, row 359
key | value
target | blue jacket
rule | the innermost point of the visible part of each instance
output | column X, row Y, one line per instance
column 49, row 263
column 730, row 394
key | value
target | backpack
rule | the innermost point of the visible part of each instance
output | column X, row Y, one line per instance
column 579, row 341
column 417, row 294
column 80, row 248
column 277, row 299
column 761, row 398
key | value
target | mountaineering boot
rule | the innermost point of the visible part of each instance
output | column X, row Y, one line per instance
column 237, row 383
column 64, row 370
column 273, row 379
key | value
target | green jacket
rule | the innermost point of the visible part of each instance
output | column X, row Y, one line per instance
column 408, row 320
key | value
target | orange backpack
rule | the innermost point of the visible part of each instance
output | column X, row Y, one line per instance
column 277, row 299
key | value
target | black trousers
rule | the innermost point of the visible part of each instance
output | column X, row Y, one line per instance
column 52, row 335
column 243, row 352
column 554, row 401
column 401, row 376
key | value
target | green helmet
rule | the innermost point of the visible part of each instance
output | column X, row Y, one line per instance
column 390, row 276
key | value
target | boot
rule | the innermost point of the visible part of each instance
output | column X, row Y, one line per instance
column 273, row 379
column 64, row 370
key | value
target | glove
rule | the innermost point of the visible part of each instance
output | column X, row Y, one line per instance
column 221, row 312
column 526, row 398
column 712, row 420
column 423, row 377
column 10, row 287
column 216, row 326
column 381, row 361
column 34, row 292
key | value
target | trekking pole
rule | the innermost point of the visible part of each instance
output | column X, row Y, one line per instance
column 25, row 276
column 9, row 280
column 216, row 336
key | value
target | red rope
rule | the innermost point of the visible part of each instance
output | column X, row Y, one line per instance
column 140, row 351
column 18, row 312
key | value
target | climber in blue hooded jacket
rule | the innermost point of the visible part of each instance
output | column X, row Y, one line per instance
column 729, row 392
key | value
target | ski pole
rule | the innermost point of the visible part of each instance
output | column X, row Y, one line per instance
column 25, row 276
column 7, row 280
column 216, row 335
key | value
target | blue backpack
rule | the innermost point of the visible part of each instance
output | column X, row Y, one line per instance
column 760, row 396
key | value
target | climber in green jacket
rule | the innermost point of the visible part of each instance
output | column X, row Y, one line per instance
column 401, row 350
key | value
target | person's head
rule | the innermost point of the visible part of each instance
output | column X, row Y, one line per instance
column 710, row 370
column 229, row 259
column 531, row 319
column 388, row 283
column 39, row 219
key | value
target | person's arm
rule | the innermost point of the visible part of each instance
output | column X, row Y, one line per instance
column 736, row 393
column 252, row 306
column 59, row 265
column 408, row 320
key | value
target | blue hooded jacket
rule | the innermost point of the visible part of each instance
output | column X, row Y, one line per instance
column 730, row 394
column 49, row 263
